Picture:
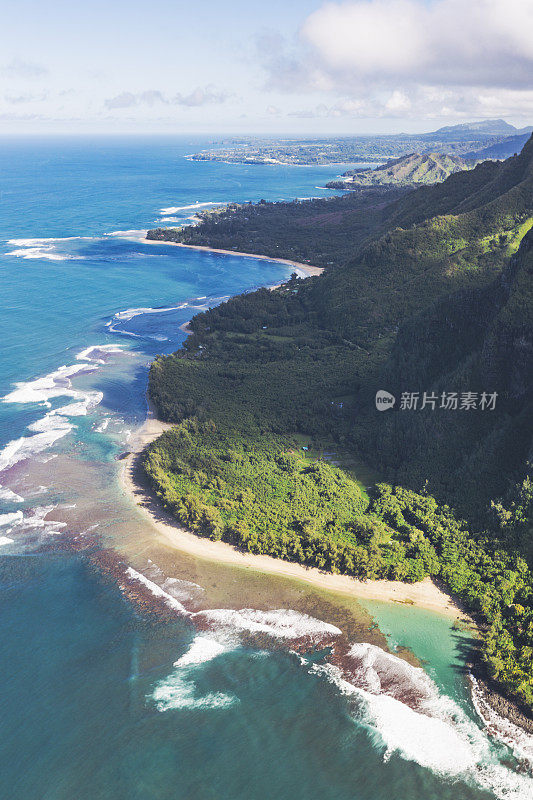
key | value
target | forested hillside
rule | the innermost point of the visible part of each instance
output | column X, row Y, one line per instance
column 411, row 170
column 429, row 293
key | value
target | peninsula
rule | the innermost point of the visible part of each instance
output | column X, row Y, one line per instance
column 277, row 446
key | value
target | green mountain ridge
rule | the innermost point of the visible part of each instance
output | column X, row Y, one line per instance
column 410, row 170
column 425, row 291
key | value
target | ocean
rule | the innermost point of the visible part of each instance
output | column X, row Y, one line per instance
column 132, row 672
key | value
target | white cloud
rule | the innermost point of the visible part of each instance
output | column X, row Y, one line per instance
column 398, row 101
column 17, row 68
column 410, row 58
column 199, row 97
column 123, row 100
column 22, row 99
column 448, row 42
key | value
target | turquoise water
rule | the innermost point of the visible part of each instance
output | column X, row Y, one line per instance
column 99, row 700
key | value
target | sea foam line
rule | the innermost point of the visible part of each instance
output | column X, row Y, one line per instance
column 131, row 313
column 156, row 590
column 44, row 248
column 437, row 734
column 56, row 423
column 503, row 729
column 175, row 209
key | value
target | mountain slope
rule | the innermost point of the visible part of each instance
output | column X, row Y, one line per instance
column 412, row 288
column 436, row 298
column 440, row 239
column 493, row 127
column 411, row 170
column 504, row 149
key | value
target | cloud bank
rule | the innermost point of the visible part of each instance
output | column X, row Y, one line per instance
column 449, row 42
column 401, row 57
column 207, row 95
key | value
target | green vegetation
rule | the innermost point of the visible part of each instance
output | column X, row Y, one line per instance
column 321, row 232
column 411, row 170
column 425, row 291
column 264, row 496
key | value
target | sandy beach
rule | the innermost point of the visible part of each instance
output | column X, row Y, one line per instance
column 424, row 594
column 308, row 269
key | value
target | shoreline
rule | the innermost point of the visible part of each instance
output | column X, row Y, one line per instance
column 424, row 594
column 309, row 269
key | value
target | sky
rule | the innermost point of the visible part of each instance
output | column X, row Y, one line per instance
column 296, row 67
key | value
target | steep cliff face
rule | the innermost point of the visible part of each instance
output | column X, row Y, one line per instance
column 507, row 353
column 476, row 340
column 453, row 237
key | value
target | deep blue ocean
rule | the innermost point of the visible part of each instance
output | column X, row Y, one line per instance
column 231, row 694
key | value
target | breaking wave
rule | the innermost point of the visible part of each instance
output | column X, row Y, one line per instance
column 175, row 209
column 10, row 496
column 42, row 391
column 178, row 689
column 279, row 623
column 398, row 705
column 405, row 714
column 43, row 248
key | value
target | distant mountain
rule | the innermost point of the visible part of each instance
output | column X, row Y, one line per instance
column 502, row 149
column 411, row 170
column 493, row 127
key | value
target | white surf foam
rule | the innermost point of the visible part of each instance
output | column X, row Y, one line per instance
column 35, row 520
column 182, row 590
column 10, row 519
column 94, row 352
column 43, row 248
column 281, row 622
column 130, row 313
column 438, row 735
column 28, row 446
column 178, row 690
column 41, row 391
column 201, row 650
column 175, row 209
column 10, row 496
column 384, row 673
column 103, row 425
column 156, row 590
column 520, row 742
column 133, row 235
